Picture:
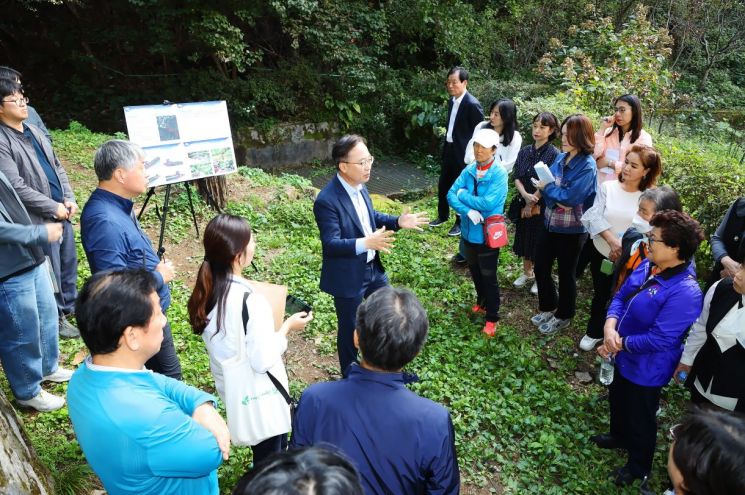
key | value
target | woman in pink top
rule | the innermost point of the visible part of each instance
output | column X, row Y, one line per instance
column 616, row 136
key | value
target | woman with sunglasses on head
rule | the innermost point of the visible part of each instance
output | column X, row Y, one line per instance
column 644, row 330
column 216, row 312
column 707, row 454
column 617, row 134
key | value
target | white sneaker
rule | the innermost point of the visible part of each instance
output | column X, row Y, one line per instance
column 553, row 325
column 534, row 289
column 541, row 318
column 44, row 401
column 588, row 343
column 522, row 280
column 59, row 376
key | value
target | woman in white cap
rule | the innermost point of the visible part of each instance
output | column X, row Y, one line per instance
column 478, row 193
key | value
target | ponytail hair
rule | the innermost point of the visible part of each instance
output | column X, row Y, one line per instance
column 225, row 238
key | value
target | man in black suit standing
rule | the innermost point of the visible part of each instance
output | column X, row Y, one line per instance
column 464, row 112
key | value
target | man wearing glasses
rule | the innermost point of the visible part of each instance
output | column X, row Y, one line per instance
column 28, row 161
column 352, row 235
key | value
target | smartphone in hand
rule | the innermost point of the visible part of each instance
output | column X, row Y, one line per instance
column 296, row 305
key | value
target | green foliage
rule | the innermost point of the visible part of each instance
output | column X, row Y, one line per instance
column 595, row 63
column 76, row 143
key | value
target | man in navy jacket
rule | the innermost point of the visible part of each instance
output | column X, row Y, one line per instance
column 352, row 234
column 399, row 442
column 464, row 112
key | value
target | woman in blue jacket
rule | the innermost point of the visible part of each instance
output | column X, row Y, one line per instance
column 646, row 323
column 480, row 192
column 567, row 198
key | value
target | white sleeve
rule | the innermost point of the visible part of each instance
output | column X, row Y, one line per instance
column 594, row 218
column 470, row 157
column 697, row 336
column 264, row 346
column 508, row 154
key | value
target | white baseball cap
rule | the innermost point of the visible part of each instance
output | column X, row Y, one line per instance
column 487, row 138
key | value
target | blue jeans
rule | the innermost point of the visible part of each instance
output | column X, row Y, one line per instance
column 28, row 333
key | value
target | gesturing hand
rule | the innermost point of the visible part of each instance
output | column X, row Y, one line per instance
column 54, row 231
column 414, row 221
column 380, row 240
column 207, row 416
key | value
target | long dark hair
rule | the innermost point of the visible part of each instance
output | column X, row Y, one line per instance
column 636, row 116
column 225, row 238
column 508, row 114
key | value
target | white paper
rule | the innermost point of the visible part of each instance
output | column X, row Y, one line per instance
column 182, row 141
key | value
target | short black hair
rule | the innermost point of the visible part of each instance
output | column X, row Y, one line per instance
column 344, row 145
column 391, row 327
column 678, row 230
column 462, row 72
column 306, row 471
column 9, row 87
column 668, row 199
column 549, row 120
column 108, row 303
column 709, row 452
column 9, row 73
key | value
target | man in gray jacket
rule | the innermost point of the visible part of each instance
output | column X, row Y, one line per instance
column 28, row 334
column 29, row 163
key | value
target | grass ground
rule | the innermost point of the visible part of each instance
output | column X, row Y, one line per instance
column 522, row 416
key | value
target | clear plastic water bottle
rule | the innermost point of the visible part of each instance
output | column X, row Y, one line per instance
column 607, row 369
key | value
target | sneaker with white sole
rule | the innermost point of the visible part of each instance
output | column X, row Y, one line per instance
column 59, row 376
column 43, row 402
column 541, row 318
column 534, row 289
column 588, row 343
column 553, row 325
column 523, row 280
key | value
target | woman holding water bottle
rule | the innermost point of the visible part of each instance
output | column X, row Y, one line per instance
column 644, row 329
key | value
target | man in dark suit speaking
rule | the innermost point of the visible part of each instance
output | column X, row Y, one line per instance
column 464, row 112
column 352, row 235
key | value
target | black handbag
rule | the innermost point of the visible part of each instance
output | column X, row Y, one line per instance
column 515, row 208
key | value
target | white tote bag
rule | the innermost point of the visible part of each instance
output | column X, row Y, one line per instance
column 256, row 408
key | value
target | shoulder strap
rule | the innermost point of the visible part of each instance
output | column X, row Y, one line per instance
column 245, row 311
column 280, row 388
column 276, row 382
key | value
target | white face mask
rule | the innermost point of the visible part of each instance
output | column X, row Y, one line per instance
column 641, row 225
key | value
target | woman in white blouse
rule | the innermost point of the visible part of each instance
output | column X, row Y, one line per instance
column 615, row 205
column 714, row 353
column 216, row 312
column 502, row 119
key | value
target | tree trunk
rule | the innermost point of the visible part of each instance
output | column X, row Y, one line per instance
column 214, row 191
column 21, row 472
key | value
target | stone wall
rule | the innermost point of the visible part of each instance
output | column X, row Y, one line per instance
column 285, row 146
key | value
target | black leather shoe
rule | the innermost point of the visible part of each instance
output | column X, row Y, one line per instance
column 458, row 258
column 624, row 477
column 455, row 231
column 606, row 441
column 437, row 222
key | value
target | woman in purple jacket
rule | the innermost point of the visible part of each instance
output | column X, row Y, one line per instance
column 646, row 323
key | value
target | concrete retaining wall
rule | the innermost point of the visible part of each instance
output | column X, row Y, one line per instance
column 285, row 145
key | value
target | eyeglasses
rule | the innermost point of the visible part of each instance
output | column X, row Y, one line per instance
column 651, row 239
column 21, row 102
column 620, row 109
column 673, row 431
column 365, row 162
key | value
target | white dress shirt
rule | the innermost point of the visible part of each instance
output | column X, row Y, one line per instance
column 363, row 215
column 453, row 113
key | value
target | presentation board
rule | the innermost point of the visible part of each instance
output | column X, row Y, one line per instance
column 182, row 141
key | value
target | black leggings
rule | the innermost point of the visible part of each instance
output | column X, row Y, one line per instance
column 483, row 262
column 268, row 447
column 565, row 249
